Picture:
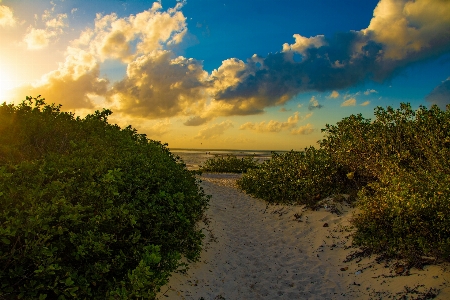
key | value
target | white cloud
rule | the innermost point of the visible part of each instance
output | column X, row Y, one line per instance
column 303, row 130
column 214, row 131
column 365, row 103
column 370, row 91
column 72, row 83
column 349, row 102
column 158, row 129
column 150, row 30
column 314, row 103
column 408, row 27
column 158, row 85
column 39, row 38
column 334, row 94
column 6, row 17
column 275, row 126
column 303, row 43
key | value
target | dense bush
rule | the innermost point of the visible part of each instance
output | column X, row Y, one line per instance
column 406, row 210
column 229, row 164
column 406, row 215
column 399, row 163
column 89, row 210
column 295, row 177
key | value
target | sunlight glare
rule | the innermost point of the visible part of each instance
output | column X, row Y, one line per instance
column 6, row 83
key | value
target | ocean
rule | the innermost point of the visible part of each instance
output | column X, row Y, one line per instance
column 194, row 158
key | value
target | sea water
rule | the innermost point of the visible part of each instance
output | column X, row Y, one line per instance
column 194, row 158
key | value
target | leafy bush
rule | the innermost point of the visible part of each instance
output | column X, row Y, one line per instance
column 90, row 210
column 229, row 164
column 406, row 210
column 406, row 215
column 400, row 165
column 295, row 177
column 402, row 137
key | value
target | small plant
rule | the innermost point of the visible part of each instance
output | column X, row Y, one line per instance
column 229, row 164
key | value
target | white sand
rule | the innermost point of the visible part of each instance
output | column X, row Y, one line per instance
column 257, row 252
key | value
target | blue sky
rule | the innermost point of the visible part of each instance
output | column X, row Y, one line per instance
column 228, row 74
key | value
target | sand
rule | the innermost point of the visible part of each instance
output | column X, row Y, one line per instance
column 255, row 251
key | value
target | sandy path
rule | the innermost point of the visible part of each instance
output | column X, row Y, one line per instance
column 286, row 252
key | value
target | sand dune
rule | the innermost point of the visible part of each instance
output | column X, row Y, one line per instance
column 254, row 251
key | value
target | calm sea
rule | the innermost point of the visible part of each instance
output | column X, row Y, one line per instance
column 194, row 158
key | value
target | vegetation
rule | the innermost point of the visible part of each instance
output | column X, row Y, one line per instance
column 90, row 210
column 229, row 164
column 295, row 177
column 399, row 167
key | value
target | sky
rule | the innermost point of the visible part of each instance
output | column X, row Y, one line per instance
column 227, row 74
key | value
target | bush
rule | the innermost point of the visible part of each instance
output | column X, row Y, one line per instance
column 295, row 177
column 405, row 215
column 229, row 164
column 405, row 212
column 400, row 165
column 90, row 210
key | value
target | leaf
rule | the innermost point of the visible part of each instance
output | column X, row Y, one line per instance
column 6, row 241
column 69, row 281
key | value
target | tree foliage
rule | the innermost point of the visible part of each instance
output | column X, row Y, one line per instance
column 90, row 210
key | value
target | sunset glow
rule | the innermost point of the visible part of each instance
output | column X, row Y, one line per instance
column 6, row 83
column 236, row 75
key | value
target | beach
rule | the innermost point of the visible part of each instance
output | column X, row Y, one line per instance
column 255, row 251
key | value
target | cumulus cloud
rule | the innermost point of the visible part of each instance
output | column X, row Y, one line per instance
column 158, row 85
column 214, row 131
column 272, row 126
column 314, row 104
column 6, row 17
column 303, row 130
column 196, row 121
column 303, row 43
column 440, row 95
column 334, row 94
column 127, row 38
column 275, row 126
column 159, row 128
column 411, row 29
column 349, row 102
column 399, row 34
column 38, row 38
column 72, row 83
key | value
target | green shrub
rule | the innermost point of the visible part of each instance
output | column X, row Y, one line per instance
column 229, row 164
column 403, row 137
column 399, row 163
column 405, row 215
column 295, row 177
column 90, row 210
column 406, row 210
